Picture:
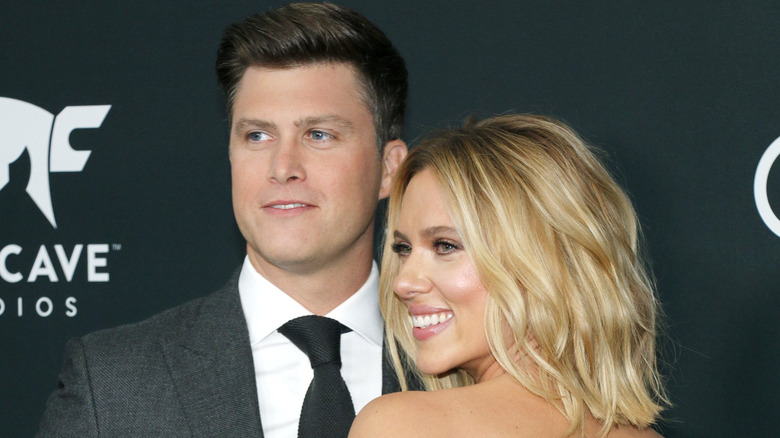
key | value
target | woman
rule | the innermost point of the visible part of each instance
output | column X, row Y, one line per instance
column 512, row 282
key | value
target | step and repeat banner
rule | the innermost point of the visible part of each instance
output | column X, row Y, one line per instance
column 115, row 182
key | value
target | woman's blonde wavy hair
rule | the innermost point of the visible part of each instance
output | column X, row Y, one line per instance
column 554, row 240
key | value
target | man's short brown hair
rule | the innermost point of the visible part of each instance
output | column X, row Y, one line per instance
column 308, row 33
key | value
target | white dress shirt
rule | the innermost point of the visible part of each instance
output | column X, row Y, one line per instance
column 283, row 372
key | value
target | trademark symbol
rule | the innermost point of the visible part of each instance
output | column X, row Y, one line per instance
column 116, row 246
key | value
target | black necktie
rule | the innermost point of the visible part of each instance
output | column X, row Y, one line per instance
column 327, row 409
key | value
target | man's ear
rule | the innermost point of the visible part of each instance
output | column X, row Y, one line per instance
column 394, row 153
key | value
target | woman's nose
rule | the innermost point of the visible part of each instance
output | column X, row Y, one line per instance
column 412, row 278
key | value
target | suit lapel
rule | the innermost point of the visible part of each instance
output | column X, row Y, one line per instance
column 210, row 363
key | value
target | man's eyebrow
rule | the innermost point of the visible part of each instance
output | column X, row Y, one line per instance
column 328, row 118
column 243, row 124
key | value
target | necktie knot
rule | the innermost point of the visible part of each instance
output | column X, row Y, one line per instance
column 317, row 336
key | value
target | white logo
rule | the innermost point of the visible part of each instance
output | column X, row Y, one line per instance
column 759, row 186
column 26, row 126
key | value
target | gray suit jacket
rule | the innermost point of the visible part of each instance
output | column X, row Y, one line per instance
column 187, row 372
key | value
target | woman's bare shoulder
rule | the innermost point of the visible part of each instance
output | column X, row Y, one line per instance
column 398, row 414
column 497, row 409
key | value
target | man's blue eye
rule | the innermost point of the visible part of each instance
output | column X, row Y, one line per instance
column 257, row 136
column 319, row 135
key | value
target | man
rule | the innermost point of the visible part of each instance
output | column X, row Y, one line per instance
column 315, row 97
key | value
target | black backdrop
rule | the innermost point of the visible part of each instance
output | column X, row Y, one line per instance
column 683, row 97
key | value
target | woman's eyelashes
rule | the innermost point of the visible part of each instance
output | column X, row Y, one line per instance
column 445, row 246
column 439, row 246
column 402, row 249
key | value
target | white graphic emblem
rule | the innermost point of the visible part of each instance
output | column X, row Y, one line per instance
column 26, row 126
column 759, row 186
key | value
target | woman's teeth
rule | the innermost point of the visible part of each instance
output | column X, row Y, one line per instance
column 424, row 321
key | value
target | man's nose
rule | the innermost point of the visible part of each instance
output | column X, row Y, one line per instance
column 288, row 162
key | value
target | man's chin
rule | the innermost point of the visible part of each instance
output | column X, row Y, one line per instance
column 286, row 259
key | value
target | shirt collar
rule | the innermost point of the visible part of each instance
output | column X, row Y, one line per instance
column 266, row 307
